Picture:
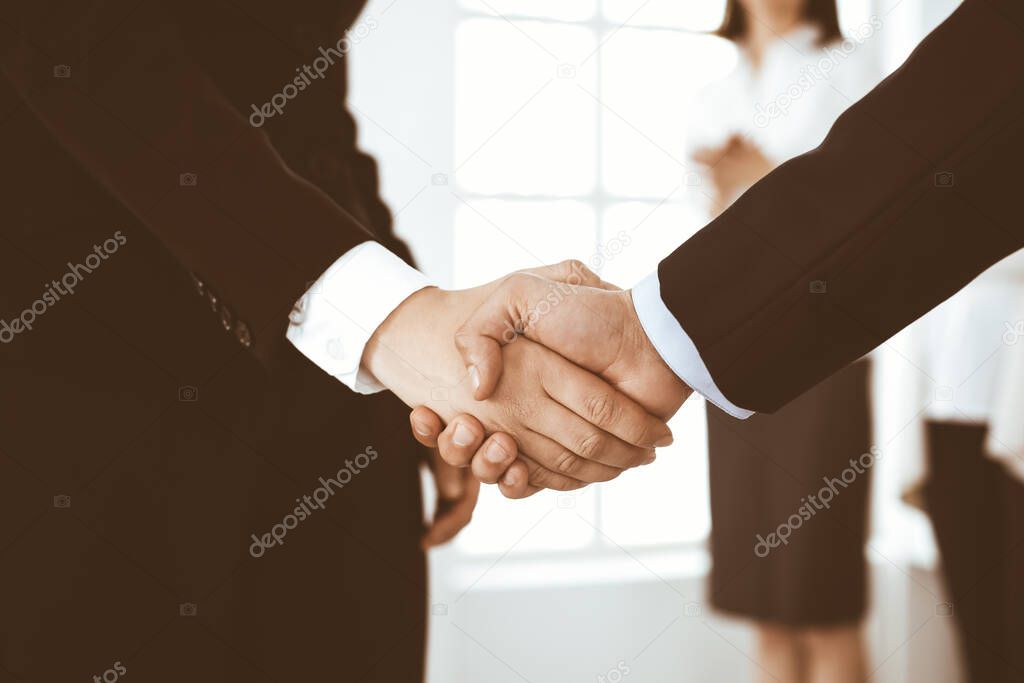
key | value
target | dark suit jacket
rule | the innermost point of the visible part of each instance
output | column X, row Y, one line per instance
column 155, row 419
column 914, row 192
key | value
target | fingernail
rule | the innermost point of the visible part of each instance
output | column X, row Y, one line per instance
column 510, row 478
column 462, row 436
column 420, row 429
column 474, row 377
column 495, row 453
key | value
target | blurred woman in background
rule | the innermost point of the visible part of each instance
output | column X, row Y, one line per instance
column 795, row 75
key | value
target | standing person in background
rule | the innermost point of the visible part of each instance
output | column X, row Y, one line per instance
column 796, row 74
column 973, row 477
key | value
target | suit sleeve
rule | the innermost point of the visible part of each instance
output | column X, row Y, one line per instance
column 152, row 128
column 913, row 193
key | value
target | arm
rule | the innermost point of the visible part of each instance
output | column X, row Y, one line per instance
column 255, row 232
column 868, row 215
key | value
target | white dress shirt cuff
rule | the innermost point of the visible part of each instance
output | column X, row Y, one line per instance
column 676, row 347
column 336, row 317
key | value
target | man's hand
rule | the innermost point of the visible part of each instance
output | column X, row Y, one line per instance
column 572, row 427
column 591, row 324
column 462, row 444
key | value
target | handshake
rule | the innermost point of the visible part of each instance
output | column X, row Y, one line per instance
column 551, row 365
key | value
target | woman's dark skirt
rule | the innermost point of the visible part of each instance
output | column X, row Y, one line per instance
column 789, row 494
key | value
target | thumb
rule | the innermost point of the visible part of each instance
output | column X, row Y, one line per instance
column 506, row 314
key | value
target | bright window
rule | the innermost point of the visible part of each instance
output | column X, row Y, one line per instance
column 569, row 143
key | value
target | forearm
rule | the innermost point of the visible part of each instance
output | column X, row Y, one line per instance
column 256, row 233
column 840, row 248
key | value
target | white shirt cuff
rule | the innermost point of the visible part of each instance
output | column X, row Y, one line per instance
column 676, row 347
column 336, row 317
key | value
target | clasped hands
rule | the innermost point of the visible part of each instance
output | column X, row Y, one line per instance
column 545, row 378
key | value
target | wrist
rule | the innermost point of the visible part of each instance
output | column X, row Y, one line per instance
column 669, row 390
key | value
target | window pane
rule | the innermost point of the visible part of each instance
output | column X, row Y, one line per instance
column 666, row 501
column 704, row 15
column 494, row 237
column 523, row 124
column 649, row 83
column 568, row 10
column 635, row 236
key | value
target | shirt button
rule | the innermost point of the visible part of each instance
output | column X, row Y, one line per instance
column 242, row 334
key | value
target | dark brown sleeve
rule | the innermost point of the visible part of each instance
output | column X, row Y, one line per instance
column 915, row 191
column 145, row 115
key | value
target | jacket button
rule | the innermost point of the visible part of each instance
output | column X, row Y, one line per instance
column 227, row 318
column 198, row 284
column 212, row 299
column 242, row 334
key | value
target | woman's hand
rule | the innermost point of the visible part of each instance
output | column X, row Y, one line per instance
column 732, row 168
column 572, row 427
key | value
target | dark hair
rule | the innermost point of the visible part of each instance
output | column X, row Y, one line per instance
column 820, row 13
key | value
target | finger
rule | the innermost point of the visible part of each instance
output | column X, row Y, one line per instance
column 510, row 309
column 450, row 481
column 426, row 426
column 610, row 411
column 516, row 482
column 448, row 524
column 589, row 454
column 494, row 458
column 460, row 440
column 543, row 456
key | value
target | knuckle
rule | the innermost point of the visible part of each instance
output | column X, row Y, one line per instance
column 639, row 456
column 567, row 462
column 601, row 409
column 590, row 445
